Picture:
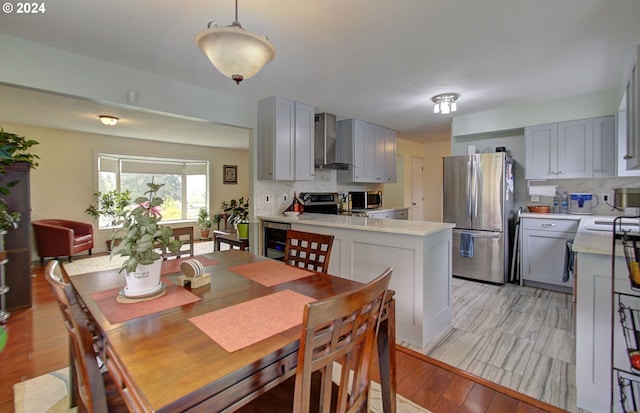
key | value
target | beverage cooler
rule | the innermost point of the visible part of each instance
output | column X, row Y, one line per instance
column 274, row 239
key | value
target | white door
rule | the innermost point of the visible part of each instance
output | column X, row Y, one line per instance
column 417, row 191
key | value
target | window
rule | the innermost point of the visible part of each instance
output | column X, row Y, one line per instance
column 185, row 188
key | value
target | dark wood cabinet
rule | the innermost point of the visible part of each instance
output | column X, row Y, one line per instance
column 18, row 268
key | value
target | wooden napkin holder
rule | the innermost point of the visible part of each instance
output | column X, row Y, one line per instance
column 195, row 282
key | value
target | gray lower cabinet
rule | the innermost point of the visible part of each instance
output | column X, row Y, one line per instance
column 402, row 213
column 543, row 252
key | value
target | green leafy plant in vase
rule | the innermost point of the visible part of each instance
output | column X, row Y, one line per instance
column 142, row 240
column 238, row 211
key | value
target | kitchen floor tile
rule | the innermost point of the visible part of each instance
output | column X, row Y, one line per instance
column 519, row 337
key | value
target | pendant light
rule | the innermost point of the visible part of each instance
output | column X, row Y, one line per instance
column 234, row 51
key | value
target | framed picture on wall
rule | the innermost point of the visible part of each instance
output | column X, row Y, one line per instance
column 230, row 174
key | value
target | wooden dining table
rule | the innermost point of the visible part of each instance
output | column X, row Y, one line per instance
column 164, row 363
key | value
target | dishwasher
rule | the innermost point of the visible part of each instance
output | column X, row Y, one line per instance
column 274, row 239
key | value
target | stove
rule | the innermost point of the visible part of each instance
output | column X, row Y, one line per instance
column 321, row 202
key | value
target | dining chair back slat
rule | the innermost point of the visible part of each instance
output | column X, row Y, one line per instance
column 308, row 250
column 88, row 379
column 337, row 347
column 340, row 330
column 184, row 234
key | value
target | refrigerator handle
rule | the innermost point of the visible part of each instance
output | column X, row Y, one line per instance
column 473, row 189
column 490, row 236
column 469, row 189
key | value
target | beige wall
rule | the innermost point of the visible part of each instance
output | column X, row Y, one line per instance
column 63, row 184
column 431, row 155
column 432, row 165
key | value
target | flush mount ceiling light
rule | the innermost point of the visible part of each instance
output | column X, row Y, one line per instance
column 445, row 103
column 108, row 120
column 234, row 51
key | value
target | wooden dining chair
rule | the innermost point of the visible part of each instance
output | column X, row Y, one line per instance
column 95, row 391
column 338, row 333
column 184, row 234
column 308, row 250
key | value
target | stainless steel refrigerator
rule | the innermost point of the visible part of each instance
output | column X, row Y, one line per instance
column 478, row 198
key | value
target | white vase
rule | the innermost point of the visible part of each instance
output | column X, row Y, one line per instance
column 144, row 280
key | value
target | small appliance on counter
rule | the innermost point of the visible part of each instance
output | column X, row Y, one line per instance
column 582, row 203
column 366, row 199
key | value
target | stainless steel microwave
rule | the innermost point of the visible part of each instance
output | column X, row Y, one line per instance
column 366, row 199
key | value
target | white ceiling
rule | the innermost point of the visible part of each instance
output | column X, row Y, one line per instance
column 376, row 60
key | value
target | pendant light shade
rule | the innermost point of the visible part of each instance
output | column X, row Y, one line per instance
column 234, row 51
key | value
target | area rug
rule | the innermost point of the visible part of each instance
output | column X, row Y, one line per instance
column 49, row 394
column 105, row 262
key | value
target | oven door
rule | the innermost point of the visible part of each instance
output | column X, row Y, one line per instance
column 274, row 239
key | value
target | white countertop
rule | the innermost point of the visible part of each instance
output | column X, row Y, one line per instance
column 394, row 226
column 574, row 217
column 595, row 242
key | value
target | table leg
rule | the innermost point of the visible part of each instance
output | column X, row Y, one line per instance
column 216, row 244
column 387, row 358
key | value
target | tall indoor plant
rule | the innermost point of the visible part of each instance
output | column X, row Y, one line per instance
column 238, row 211
column 110, row 205
column 14, row 149
column 142, row 237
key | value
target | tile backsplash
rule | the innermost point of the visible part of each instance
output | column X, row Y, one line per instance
column 596, row 186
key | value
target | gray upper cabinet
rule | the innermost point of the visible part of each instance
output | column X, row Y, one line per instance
column 576, row 149
column 631, row 157
column 370, row 149
column 285, row 140
column 604, row 144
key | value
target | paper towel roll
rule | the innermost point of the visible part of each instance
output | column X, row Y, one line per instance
column 542, row 190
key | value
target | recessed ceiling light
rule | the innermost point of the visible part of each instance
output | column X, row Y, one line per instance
column 108, row 120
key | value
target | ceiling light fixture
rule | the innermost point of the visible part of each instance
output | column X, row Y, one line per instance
column 445, row 103
column 108, row 120
column 234, row 51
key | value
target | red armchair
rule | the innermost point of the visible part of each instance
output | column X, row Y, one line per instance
column 62, row 238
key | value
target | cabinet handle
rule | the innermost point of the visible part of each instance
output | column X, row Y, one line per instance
column 627, row 157
column 547, row 225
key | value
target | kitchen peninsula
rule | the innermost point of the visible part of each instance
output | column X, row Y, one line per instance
column 419, row 252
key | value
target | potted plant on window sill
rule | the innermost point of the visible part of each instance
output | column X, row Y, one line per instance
column 111, row 206
column 142, row 237
column 238, row 211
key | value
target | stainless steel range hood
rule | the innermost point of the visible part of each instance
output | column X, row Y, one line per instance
column 326, row 143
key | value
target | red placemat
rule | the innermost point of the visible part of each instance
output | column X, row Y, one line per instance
column 119, row 312
column 270, row 272
column 171, row 266
column 244, row 324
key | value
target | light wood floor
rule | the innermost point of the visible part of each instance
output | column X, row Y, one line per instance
column 38, row 345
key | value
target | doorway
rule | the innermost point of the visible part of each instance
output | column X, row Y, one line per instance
column 417, row 190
